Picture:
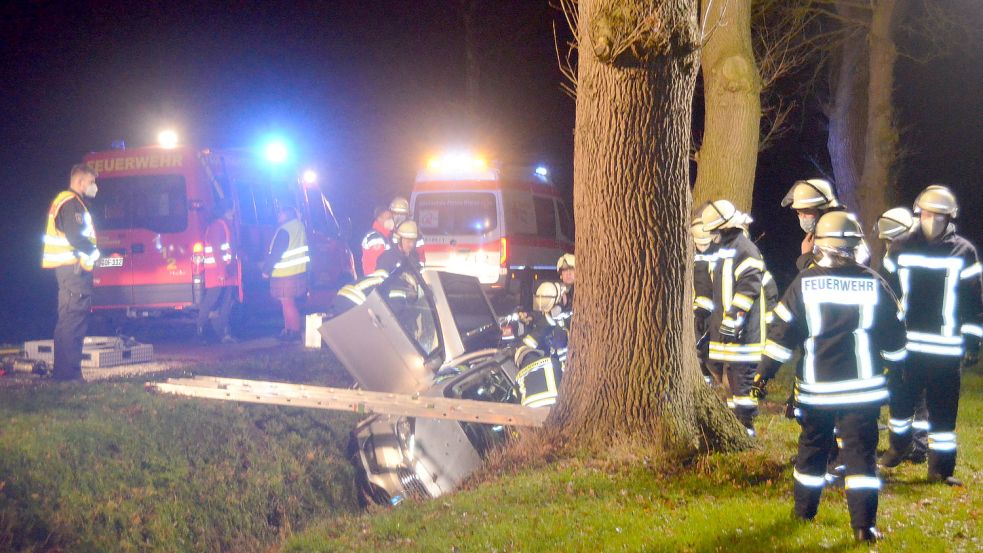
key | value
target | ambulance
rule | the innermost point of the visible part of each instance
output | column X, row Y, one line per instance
column 505, row 225
column 155, row 203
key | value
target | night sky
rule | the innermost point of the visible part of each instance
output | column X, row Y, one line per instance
column 364, row 90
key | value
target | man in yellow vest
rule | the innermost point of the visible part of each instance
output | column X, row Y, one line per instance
column 286, row 267
column 70, row 249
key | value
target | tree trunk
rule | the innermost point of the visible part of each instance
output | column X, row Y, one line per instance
column 633, row 377
column 728, row 154
column 877, row 183
column 847, row 112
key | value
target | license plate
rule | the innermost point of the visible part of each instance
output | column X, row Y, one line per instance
column 107, row 262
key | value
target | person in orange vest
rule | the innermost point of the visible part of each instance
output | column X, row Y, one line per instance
column 70, row 249
column 377, row 240
column 286, row 267
column 221, row 266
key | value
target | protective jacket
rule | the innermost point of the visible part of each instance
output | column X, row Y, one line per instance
column 69, row 235
column 219, row 260
column 538, row 378
column 394, row 258
column 549, row 334
column 941, row 291
column 377, row 241
column 848, row 323
column 289, row 254
column 736, row 274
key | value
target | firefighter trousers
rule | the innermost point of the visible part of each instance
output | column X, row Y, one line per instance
column 74, row 307
column 219, row 300
column 737, row 379
column 857, row 427
column 937, row 378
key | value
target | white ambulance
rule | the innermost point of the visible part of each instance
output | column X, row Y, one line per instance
column 505, row 225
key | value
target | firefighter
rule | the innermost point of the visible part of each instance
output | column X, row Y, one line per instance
column 937, row 274
column 400, row 209
column 566, row 269
column 221, row 269
column 897, row 224
column 702, row 289
column 406, row 235
column 542, row 355
column 286, row 267
column 377, row 240
column 735, row 323
column 810, row 199
column 847, row 321
column 352, row 295
column 70, row 249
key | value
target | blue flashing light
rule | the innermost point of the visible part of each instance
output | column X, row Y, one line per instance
column 542, row 171
column 275, row 152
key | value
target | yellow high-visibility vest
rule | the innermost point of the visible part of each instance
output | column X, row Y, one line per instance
column 295, row 259
column 58, row 251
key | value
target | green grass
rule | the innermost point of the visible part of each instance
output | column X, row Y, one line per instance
column 733, row 503
column 110, row 467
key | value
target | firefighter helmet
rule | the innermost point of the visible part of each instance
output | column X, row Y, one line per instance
column 547, row 296
column 839, row 230
column 399, row 206
column 701, row 237
column 566, row 261
column 811, row 194
column 937, row 199
column 894, row 223
column 408, row 230
column 717, row 214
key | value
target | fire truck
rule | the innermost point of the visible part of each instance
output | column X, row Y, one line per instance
column 155, row 203
column 506, row 225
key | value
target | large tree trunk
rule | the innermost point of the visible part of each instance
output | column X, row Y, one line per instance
column 877, row 183
column 633, row 377
column 847, row 111
column 728, row 154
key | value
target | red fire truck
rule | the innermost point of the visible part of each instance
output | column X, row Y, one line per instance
column 152, row 210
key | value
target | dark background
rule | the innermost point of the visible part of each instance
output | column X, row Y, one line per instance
column 364, row 90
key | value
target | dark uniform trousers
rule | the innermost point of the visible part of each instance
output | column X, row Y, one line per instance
column 857, row 428
column 935, row 377
column 74, row 306
column 737, row 378
column 218, row 299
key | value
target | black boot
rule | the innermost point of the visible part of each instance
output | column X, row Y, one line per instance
column 868, row 535
column 947, row 480
column 893, row 457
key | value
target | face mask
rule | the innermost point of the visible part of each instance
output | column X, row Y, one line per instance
column 91, row 190
column 807, row 223
column 702, row 247
column 389, row 224
column 934, row 227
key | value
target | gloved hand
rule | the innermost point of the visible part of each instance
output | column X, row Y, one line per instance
column 759, row 387
column 731, row 328
column 971, row 354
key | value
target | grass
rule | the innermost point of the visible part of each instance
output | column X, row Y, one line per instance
column 110, row 467
column 733, row 503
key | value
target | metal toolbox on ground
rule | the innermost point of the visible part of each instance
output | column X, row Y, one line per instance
column 97, row 351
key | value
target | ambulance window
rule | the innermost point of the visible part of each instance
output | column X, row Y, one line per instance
column 566, row 222
column 456, row 213
column 545, row 217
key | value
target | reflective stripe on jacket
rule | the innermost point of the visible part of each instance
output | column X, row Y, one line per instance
column 294, row 260
column 58, row 251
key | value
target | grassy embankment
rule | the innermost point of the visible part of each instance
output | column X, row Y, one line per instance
column 733, row 503
column 110, row 467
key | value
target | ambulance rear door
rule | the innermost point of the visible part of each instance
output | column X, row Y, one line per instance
column 461, row 229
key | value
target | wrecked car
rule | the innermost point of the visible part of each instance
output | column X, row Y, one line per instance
column 430, row 333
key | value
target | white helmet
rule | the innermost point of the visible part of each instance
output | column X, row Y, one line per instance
column 721, row 214
column 811, row 194
column 547, row 296
column 839, row 230
column 399, row 206
column 566, row 261
column 894, row 223
column 937, row 199
column 700, row 236
column 408, row 230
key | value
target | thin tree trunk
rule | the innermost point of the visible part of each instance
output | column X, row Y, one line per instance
column 877, row 183
column 633, row 377
column 728, row 154
column 847, row 112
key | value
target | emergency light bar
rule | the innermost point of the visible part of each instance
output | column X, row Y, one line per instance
column 167, row 139
column 457, row 166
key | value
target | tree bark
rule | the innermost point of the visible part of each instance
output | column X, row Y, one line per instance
column 847, row 111
column 633, row 377
column 878, row 179
column 728, row 154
